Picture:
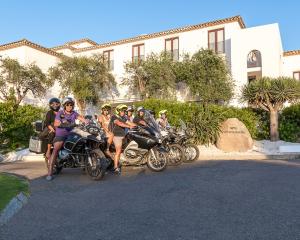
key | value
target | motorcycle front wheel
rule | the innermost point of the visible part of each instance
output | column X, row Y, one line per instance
column 192, row 153
column 157, row 160
column 99, row 165
column 176, row 155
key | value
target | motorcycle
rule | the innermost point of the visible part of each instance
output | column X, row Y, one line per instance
column 143, row 146
column 176, row 154
column 81, row 149
column 191, row 150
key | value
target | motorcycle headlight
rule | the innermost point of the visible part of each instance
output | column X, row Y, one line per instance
column 93, row 131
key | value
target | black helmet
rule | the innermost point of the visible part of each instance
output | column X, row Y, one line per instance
column 52, row 100
column 54, row 107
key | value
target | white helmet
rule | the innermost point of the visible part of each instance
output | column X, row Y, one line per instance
column 68, row 100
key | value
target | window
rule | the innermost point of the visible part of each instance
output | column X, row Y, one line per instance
column 109, row 58
column 254, row 59
column 172, row 47
column 296, row 75
column 138, row 53
column 216, row 40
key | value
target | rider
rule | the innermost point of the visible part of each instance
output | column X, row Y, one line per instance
column 129, row 113
column 104, row 120
column 118, row 124
column 163, row 120
column 64, row 123
column 54, row 104
column 139, row 118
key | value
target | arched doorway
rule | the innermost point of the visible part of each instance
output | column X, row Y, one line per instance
column 254, row 65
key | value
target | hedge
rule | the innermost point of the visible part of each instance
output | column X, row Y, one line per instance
column 205, row 120
column 289, row 124
column 16, row 125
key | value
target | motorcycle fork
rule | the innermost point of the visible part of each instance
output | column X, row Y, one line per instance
column 153, row 154
column 88, row 153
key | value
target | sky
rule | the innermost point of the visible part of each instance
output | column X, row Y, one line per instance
column 52, row 23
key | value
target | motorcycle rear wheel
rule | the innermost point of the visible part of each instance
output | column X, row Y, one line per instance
column 176, row 155
column 157, row 163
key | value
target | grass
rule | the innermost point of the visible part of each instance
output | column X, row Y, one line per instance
column 11, row 186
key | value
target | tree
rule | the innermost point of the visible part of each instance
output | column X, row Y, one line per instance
column 270, row 94
column 207, row 76
column 84, row 77
column 17, row 81
column 151, row 78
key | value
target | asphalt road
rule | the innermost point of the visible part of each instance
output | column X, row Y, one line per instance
column 208, row 200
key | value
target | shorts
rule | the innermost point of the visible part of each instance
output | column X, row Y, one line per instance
column 51, row 137
column 59, row 139
column 118, row 141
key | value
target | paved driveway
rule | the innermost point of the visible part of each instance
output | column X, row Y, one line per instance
column 207, row 200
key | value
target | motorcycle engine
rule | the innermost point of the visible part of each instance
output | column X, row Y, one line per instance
column 132, row 155
column 63, row 154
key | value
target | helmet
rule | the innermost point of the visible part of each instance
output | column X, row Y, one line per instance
column 162, row 112
column 52, row 100
column 141, row 108
column 130, row 109
column 68, row 100
column 54, row 107
column 120, row 108
column 106, row 106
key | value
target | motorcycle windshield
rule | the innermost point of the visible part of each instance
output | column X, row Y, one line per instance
column 183, row 126
column 148, row 117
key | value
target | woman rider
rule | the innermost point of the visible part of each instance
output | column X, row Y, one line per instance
column 118, row 125
column 104, row 120
column 163, row 120
column 64, row 117
column 139, row 118
column 54, row 104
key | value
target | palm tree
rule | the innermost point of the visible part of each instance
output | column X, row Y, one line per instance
column 270, row 94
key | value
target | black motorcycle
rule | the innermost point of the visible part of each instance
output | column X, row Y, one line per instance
column 143, row 146
column 182, row 136
column 81, row 149
column 176, row 153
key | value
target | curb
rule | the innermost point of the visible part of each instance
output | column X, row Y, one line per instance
column 287, row 157
column 13, row 207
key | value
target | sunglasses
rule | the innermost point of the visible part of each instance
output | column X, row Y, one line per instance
column 69, row 105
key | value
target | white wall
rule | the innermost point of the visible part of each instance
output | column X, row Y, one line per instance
column 27, row 55
column 267, row 40
column 189, row 42
column 291, row 64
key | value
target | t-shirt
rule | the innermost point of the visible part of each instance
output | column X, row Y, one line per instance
column 137, row 120
column 115, row 129
column 50, row 117
column 62, row 116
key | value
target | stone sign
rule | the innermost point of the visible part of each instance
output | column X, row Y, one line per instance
column 234, row 136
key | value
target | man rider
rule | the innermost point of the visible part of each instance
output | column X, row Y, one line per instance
column 54, row 104
column 64, row 120
column 118, row 124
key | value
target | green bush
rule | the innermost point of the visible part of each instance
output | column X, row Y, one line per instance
column 289, row 127
column 16, row 125
column 205, row 121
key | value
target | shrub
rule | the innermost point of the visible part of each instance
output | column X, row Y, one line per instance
column 289, row 127
column 205, row 121
column 16, row 125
